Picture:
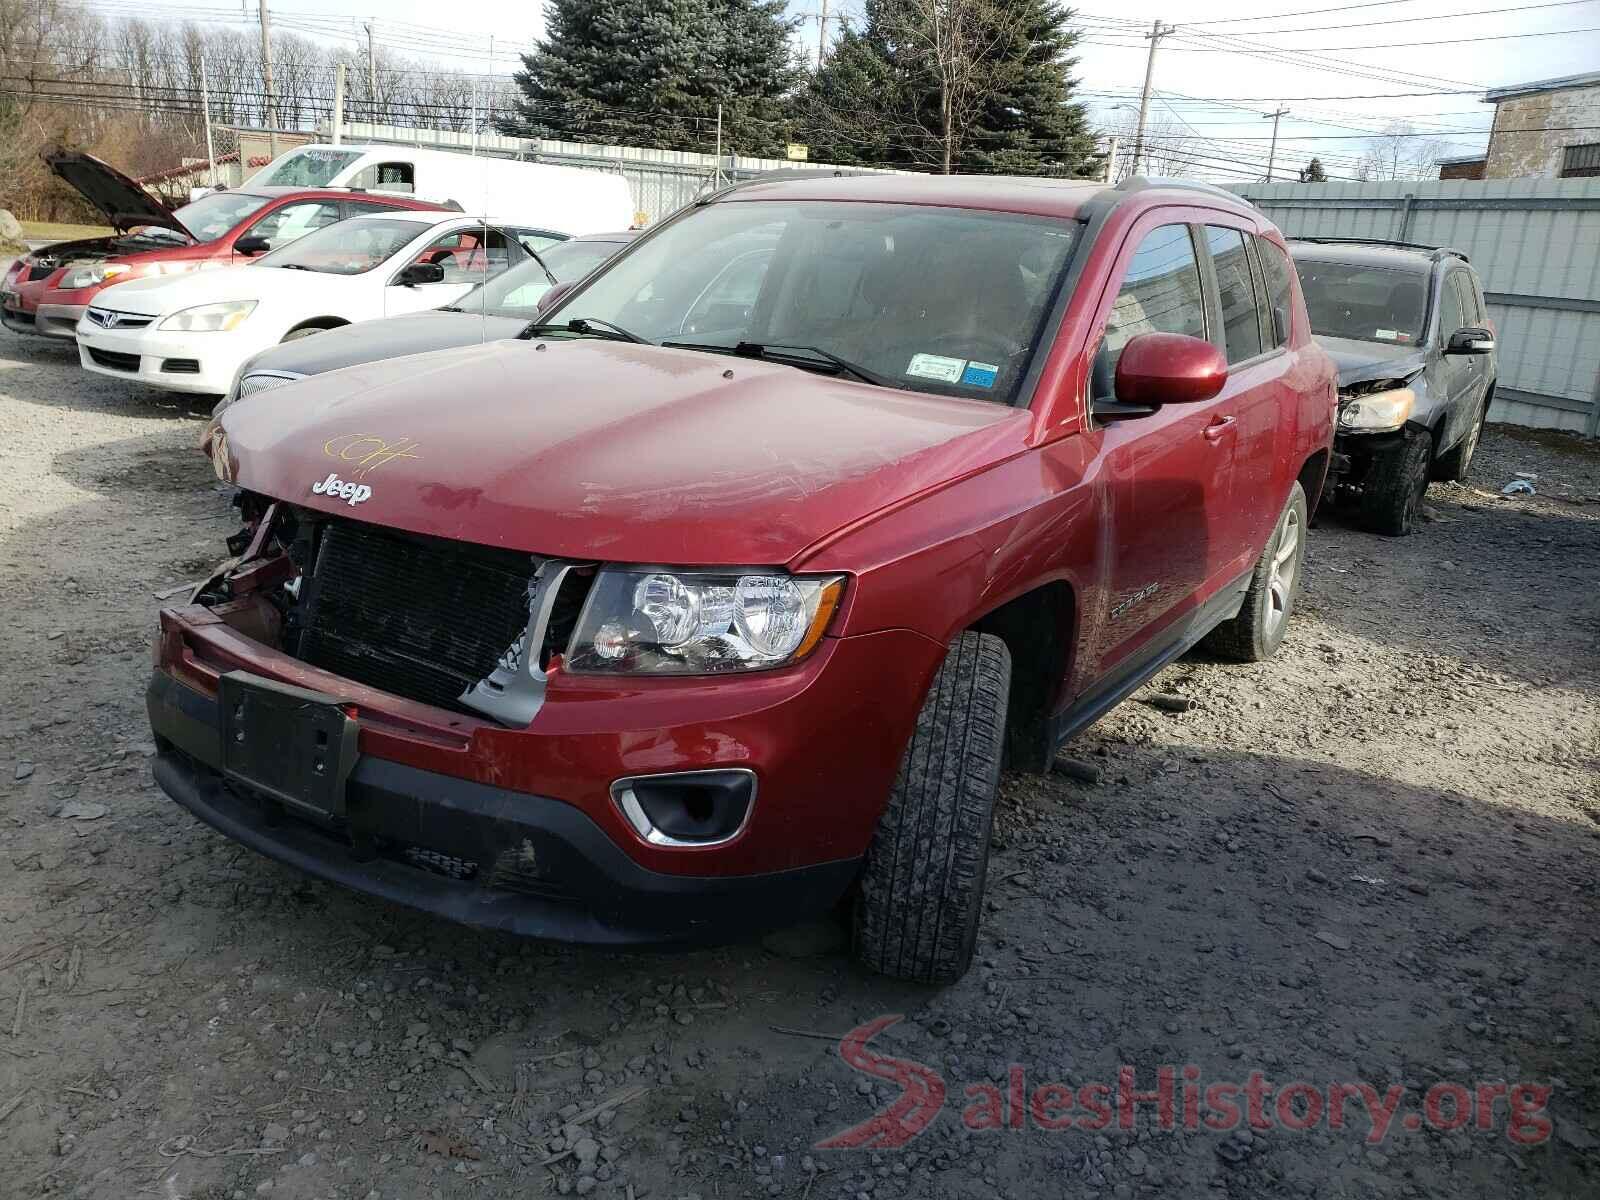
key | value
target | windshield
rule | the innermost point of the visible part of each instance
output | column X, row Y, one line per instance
column 306, row 168
column 346, row 247
column 517, row 292
column 1364, row 303
column 209, row 217
column 929, row 299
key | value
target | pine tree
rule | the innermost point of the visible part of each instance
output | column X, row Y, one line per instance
column 652, row 72
column 1314, row 172
column 960, row 85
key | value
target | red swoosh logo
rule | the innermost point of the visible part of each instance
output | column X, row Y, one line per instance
column 921, row 1095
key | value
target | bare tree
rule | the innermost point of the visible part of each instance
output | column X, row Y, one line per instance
column 954, row 42
column 1400, row 152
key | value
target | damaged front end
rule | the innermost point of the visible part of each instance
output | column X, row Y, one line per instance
column 454, row 625
column 1373, row 414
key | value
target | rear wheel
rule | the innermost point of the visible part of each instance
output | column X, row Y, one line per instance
column 294, row 335
column 916, row 916
column 1263, row 620
column 1391, row 499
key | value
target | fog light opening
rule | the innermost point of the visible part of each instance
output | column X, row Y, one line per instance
column 687, row 808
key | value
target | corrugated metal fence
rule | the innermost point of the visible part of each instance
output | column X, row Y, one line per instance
column 662, row 181
column 1536, row 245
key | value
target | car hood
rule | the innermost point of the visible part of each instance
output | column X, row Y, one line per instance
column 592, row 449
column 372, row 341
column 157, row 295
column 1360, row 361
column 123, row 203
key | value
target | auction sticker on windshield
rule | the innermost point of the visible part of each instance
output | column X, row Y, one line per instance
column 936, row 366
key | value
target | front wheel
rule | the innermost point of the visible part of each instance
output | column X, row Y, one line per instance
column 1263, row 620
column 1391, row 498
column 921, row 893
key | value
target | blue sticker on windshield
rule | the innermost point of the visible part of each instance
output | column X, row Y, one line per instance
column 980, row 374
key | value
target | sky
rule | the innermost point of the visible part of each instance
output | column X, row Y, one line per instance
column 1376, row 66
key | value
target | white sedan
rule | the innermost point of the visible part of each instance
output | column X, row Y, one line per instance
column 190, row 333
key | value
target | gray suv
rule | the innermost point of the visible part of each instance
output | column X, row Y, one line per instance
column 1415, row 349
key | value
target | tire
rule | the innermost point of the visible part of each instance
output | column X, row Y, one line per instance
column 1455, row 463
column 1391, row 499
column 1263, row 621
column 921, row 892
column 305, row 331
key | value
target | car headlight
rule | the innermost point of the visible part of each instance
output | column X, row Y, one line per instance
column 1378, row 407
column 210, row 318
column 92, row 274
column 696, row 623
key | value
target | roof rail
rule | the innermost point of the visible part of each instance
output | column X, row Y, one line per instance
column 1138, row 183
column 782, row 173
column 1434, row 252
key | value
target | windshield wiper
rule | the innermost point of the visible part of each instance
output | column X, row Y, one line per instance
column 548, row 273
column 800, row 356
column 593, row 326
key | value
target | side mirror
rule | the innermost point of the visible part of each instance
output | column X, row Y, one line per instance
column 1169, row 368
column 251, row 244
column 1471, row 340
column 552, row 297
column 420, row 273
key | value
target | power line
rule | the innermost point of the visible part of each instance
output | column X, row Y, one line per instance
column 1502, row 37
column 1481, row 12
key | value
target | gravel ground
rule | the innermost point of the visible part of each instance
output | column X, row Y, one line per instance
column 1372, row 860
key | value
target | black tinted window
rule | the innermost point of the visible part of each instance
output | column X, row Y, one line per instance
column 1452, row 312
column 1241, row 323
column 1280, row 294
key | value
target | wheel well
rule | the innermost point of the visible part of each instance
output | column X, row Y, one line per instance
column 319, row 323
column 1037, row 627
column 1312, row 476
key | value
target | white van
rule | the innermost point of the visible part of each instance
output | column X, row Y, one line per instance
column 569, row 199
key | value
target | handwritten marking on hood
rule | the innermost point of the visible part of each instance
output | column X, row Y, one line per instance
column 368, row 451
column 339, row 489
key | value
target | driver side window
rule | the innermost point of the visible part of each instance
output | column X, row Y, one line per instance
column 1160, row 294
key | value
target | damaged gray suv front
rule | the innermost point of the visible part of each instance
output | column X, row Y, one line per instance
column 1415, row 348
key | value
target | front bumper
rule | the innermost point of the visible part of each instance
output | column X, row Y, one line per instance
column 59, row 320
column 474, row 853
column 203, row 364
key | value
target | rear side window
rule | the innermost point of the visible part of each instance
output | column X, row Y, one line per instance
column 1241, row 323
column 1275, row 271
column 1160, row 294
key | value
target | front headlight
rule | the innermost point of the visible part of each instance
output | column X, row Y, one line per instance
column 696, row 623
column 1376, row 409
column 92, row 274
column 210, row 318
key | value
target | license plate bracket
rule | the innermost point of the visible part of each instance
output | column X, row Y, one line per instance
column 293, row 745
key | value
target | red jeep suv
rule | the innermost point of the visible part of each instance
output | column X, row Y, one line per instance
column 728, row 588
column 46, row 291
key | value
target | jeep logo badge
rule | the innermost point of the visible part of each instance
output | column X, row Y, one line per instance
column 339, row 489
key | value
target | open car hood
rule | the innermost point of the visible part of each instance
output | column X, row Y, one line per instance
column 124, row 203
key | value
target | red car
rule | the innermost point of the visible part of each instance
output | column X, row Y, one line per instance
column 46, row 291
column 727, row 590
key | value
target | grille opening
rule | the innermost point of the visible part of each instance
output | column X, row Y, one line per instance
column 181, row 366
column 422, row 618
column 115, row 360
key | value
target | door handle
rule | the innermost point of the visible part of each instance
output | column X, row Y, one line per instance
column 1217, row 428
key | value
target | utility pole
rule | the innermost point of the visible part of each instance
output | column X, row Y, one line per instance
column 266, row 74
column 205, row 110
column 491, row 81
column 1272, row 154
column 1157, row 32
column 372, row 76
column 822, row 32
column 719, row 147
column 338, row 103
column 1111, row 159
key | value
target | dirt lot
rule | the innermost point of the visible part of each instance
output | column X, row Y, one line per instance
column 1371, row 861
